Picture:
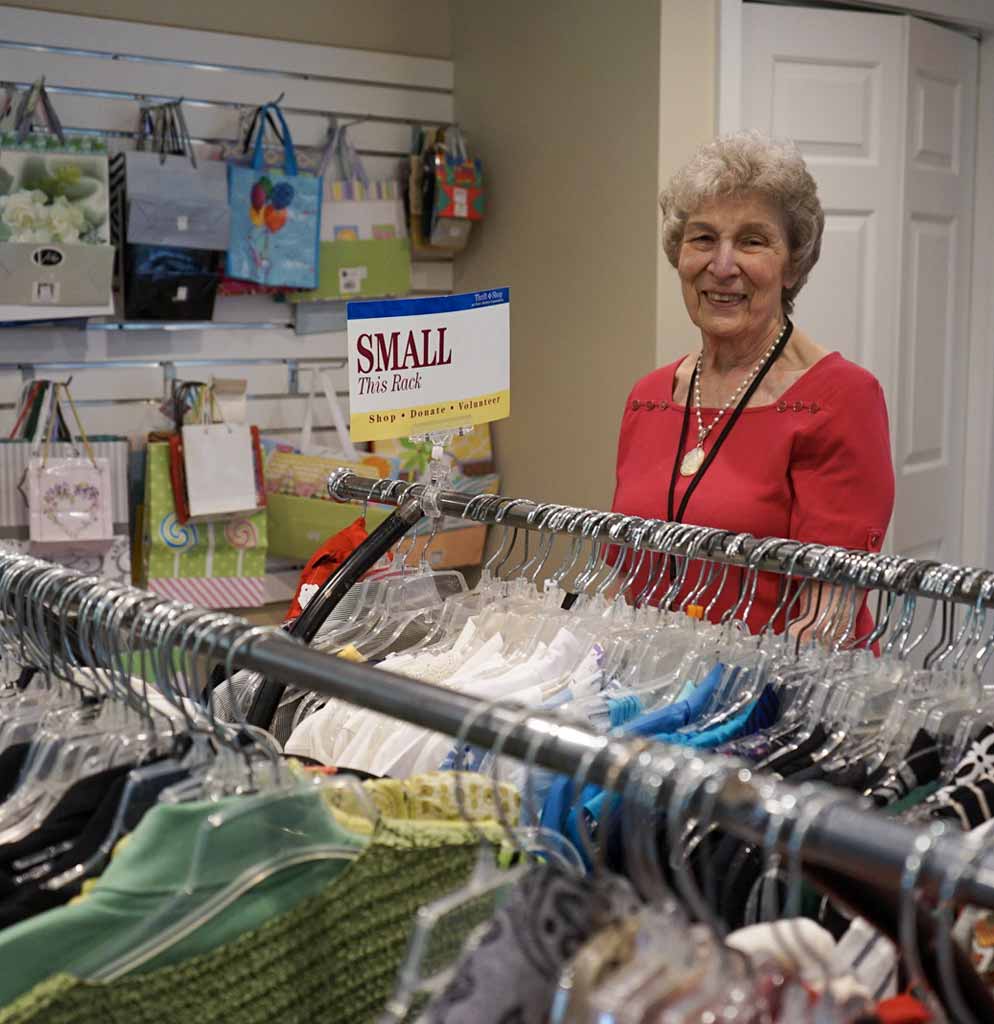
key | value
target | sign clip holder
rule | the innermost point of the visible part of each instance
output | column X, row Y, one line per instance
column 439, row 477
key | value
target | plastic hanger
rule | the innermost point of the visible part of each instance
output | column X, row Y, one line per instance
column 432, row 951
column 281, row 826
column 281, row 823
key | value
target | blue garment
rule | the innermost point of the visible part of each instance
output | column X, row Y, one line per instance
column 681, row 712
column 759, row 714
column 623, row 709
column 559, row 809
column 556, row 809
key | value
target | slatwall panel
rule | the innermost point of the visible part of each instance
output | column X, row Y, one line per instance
column 121, row 376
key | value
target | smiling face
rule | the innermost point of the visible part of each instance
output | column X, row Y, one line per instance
column 734, row 263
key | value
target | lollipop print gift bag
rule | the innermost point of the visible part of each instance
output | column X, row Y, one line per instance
column 275, row 218
column 214, row 564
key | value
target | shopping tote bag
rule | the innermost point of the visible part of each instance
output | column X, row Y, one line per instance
column 301, row 513
column 364, row 247
column 275, row 219
column 214, row 564
column 173, row 200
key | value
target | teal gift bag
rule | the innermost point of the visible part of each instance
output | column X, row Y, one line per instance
column 275, row 218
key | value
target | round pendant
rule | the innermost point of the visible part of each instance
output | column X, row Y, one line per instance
column 692, row 461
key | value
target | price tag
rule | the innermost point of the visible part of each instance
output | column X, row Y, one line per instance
column 423, row 365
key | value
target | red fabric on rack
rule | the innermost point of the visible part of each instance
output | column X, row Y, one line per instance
column 814, row 466
column 903, row 1009
column 323, row 564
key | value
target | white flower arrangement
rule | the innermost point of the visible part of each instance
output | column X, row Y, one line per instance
column 31, row 218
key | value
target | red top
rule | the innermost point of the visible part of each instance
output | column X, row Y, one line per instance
column 815, row 466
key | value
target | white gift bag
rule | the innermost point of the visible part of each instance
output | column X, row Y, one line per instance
column 346, row 449
column 219, row 462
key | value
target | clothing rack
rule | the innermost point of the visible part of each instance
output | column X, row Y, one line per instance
column 942, row 581
column 820, row 827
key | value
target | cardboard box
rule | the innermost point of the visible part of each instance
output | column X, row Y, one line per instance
column 451, row 549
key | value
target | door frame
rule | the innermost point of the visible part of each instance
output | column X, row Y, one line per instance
column 978, row 455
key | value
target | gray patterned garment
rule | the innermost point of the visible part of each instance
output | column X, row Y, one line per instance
column 510, row 975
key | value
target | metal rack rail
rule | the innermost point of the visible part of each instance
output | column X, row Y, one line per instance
column 938, row 580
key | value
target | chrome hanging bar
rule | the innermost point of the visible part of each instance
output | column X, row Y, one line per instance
column 844, row 836
column 864, row 569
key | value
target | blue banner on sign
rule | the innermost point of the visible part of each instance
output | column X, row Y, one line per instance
column 430, row 304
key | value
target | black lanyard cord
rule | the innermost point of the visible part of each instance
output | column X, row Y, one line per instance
column 709, row 458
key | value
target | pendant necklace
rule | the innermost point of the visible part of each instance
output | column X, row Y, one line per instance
column 694, row 459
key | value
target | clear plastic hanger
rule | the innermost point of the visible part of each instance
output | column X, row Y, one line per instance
column 909, row 902
column 140, row 780
column 458, row 608
column 801, row 812
column 431, row 950
column 398, row 602
column 948, row 906
column 23, row 710
column 528, row 840
column 81, row 742
column 281, row 823
column 352, row 613
column 699, row 965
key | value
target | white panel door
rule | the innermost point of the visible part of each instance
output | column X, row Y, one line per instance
column 935, row 291
column 832, row 81
column 883, row 108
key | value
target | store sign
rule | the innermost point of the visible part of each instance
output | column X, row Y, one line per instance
column 420, row 365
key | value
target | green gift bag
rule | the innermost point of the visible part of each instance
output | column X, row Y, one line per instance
column 302, row 515
column 220, row 564
column 302, row 525
column 361, row 268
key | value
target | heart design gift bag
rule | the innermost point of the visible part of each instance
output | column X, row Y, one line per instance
column 70, row 498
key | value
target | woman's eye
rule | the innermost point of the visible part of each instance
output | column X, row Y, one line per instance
column 754, row 241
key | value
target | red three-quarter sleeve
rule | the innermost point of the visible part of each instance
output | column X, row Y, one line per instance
column 840, row 471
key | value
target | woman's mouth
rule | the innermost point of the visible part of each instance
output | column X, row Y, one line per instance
column 724, row 298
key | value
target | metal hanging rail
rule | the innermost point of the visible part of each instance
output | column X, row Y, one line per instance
column 815, row 561
column 842, row 836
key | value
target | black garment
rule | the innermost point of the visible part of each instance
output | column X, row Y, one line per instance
column 969, row 805
column 850, row 776
column 11, row 762
column 23, row 899
column 26, row 901
column 725, row 868
column 921, row 765
column 969, row 798
column 27, row 674
column 66, row 820
column 794, row 760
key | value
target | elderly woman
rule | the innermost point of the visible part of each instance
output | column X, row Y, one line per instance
column 758, row 429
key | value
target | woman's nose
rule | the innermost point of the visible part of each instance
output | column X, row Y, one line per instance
column 723, row 261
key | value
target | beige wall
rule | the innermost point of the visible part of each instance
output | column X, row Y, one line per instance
column 688, row 97
column 564, row 101
column 419, row 28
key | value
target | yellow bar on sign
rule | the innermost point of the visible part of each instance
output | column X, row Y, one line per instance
column 420, row 419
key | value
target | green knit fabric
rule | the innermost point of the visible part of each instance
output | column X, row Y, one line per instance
column 333, row 958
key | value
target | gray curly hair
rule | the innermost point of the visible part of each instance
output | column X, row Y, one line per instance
column 749, row 162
